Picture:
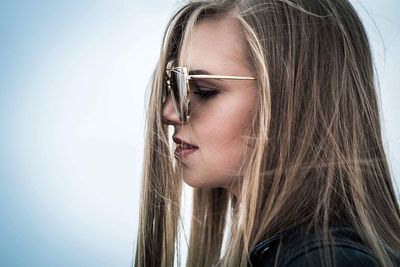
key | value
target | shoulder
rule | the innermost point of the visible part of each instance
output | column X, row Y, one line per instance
column 345, row 254
column 295, row 248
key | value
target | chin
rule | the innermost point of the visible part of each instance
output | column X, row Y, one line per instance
column 198, row 182
column 192, row 182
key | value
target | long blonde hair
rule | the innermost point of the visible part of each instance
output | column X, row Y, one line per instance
column 318, row 156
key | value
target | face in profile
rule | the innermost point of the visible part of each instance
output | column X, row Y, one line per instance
column 221, row 110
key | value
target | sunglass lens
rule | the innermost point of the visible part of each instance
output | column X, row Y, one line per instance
column 180, row 91
column 176, row 84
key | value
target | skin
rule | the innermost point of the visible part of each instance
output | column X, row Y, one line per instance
column 217, row 125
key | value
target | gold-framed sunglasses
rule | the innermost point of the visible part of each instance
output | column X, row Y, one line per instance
column 177, row 84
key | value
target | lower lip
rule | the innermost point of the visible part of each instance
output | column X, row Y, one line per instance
column 181, row 153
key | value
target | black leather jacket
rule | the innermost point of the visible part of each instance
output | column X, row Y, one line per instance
column 301, row 250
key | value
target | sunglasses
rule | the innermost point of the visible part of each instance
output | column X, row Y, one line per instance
column 177, row 84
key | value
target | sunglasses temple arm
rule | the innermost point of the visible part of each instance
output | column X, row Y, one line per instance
column 200, row 76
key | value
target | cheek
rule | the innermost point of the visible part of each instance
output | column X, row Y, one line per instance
column 223, row 134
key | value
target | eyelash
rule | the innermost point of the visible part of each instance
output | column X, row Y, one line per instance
column 205, row 94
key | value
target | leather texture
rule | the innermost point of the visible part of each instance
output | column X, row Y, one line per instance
column 301, row 249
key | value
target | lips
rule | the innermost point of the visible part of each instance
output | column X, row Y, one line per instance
column 181, row 152
column 183, row 149
column 187, row 146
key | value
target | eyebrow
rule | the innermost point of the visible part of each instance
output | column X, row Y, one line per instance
column 211, row 81
column 218, row 76
column 199, row 71
column 216, row 79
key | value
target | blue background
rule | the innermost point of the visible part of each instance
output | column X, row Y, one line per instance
column 73, row 76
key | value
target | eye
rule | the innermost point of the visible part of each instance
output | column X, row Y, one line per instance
column 203, row 92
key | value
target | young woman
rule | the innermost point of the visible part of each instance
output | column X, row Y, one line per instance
column 276, row 126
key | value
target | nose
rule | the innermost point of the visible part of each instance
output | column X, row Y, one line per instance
column 169, row 115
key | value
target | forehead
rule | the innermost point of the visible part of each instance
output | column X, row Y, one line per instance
column 214, row 44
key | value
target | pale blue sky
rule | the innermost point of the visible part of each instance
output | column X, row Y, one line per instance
column 72, row 88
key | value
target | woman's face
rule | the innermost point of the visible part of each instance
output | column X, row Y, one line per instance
column 219, row 117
